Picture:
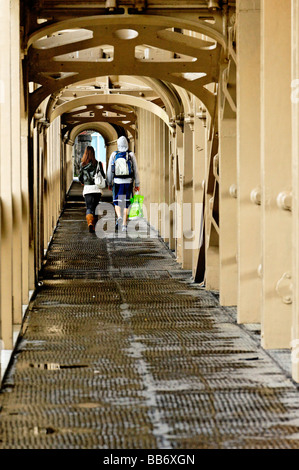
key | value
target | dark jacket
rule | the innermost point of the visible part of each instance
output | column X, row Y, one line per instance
column 87, row 173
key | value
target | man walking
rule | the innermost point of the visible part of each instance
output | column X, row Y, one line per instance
column 121, row 174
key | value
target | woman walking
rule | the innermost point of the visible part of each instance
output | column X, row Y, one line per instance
column 91, row 192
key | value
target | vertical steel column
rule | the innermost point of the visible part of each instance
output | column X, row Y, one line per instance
column 164, row 182
column 16, row 163
column 34, row 195
column 211, row 235
column 166, row 176
column 25, row 195
column 199, row 144
column 46, row 189
column 41, row 156
column 153, row 157
column 51, row 151
column 161, row 150
column 171, row 188
column 6, row 123
column 248, row 161
column 146, row 159
column 276, row 173
column 69, row 165
column 227, row 212
column 295, row 170
column 187, row 196
column 178, row 182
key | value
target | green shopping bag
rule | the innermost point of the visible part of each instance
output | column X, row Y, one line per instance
column 136, row 206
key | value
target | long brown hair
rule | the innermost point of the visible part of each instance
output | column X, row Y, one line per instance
column 89, row 156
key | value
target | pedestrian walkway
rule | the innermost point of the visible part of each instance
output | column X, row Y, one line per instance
column 119, row 350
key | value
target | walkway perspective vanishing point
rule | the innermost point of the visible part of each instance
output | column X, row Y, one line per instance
column 119, row 350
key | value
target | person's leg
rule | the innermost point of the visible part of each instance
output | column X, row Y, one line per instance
column 92, row 201
column 118, row 211
column 119, row 220
column 128, row 190
column 117, row 206
column 125, row 216
column 96, row 199
column 89, row 200
column 123, row 203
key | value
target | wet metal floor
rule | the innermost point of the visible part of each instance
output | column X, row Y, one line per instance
column 119, row 350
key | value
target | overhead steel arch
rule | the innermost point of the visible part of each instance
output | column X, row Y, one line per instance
column 93, row 21
column 109, row 99
column 173, row 106
column 52, row 65
column 107, row 131
column 185, row 99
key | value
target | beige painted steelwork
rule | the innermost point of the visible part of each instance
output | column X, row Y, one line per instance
column 276, row 149
column 248, row 162
column 6, row 182
column 54, row 62
column 294, row 291
column 207, row 94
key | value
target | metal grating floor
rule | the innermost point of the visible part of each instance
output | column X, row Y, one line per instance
column 119, row 350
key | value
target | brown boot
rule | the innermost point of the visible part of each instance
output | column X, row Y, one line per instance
column 90, row 222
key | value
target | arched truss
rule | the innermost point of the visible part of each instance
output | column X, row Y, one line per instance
column 169, row 97
column 94, row 112
column 109, row 100
column 186, row 102
column 70, row 51
column 172, row 104
column 106, row 130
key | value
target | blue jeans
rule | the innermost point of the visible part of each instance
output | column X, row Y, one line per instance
column 91, row 201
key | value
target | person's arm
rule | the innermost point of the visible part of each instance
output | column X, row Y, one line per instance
column 102, row 170
column 136, row 172
column 81, row 176
column 109, row 171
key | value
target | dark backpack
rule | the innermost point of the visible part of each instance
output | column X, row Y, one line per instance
column 87, row 174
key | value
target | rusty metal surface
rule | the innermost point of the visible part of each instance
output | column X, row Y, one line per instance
column 119, row 350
